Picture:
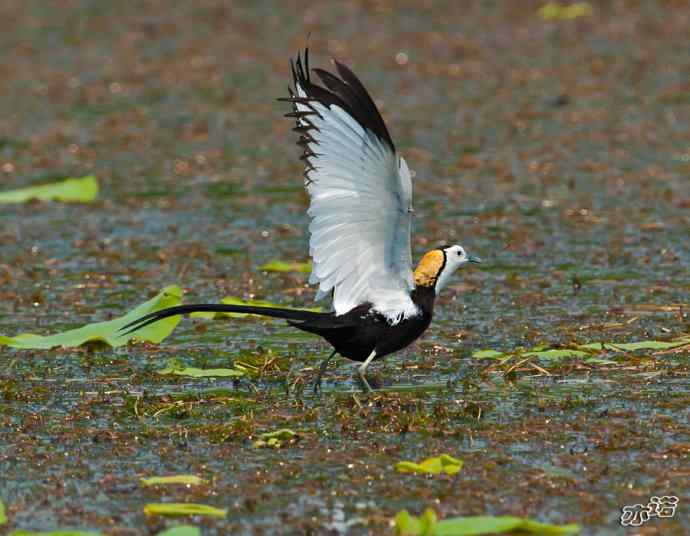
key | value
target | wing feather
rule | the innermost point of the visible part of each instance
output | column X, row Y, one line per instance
column 360, row 194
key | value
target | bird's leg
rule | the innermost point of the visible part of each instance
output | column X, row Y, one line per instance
column 322, row 369
column 363, row 370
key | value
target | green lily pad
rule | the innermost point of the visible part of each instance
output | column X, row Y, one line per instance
column 81, row 190
column 107, row 332
column 431, row 466
column 232, row 300
column 181, row 530
column 428, row 525
column 176, row 368
column 183, row 509
column 275, row 439
column 280, row 266
column 188, row 480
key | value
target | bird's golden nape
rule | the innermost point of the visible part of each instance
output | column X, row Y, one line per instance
column 436, row 266
column 430, row 268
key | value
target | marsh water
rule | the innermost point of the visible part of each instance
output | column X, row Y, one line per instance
column 558, row 151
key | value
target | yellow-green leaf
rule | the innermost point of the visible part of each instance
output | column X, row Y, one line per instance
column 3, row 517
column 585, row 350
column 554, row 11
column 275, row 439
column 488, row 354
column 280, row 266
column 176, row 368
column 82, row 190
column 428, row 525
column 181, row 530
column 188, row 480
column 408, row 525
column 183, row 509
column 633, row 346
column 107, row 332
column 431, row 466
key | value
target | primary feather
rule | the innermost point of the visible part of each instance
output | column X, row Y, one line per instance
column 360, row 195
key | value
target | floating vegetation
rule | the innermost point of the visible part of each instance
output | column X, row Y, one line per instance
column 587, row 350
column 280, row 266
column 82, row 190
column 107, row 332
column 183, row 509
column 554, row 11
column 187, row 480
column 431, row 466
column 3, row 516
column 428, row 525
column 175, row 368
column 181, row 530
column 276, row 439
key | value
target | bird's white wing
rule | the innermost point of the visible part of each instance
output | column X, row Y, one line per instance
column 361, row 195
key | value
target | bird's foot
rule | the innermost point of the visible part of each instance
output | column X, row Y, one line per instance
column 316, row 385
column 369, row 384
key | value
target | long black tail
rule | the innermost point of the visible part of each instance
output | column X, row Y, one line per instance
column 275, row 312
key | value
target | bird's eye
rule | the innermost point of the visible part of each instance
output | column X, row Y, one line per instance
column 460, row 253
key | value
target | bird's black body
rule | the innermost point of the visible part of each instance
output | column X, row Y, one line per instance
column 353, row 335
column 357, row 333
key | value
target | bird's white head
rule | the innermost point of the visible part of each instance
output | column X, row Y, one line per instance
column 439, row 264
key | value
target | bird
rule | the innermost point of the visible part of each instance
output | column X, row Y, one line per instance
column 360, row 211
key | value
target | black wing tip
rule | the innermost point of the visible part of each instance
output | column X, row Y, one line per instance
column 343, row 89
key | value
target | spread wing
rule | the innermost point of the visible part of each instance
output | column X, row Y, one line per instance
column 361, row 194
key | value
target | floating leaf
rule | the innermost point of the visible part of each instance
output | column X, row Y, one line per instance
column 183, row 509
column 408, row 525
column 428, row 525
column 181, row 530
column 488, row 354
column 189, row 480
column 83, row 190
column 585, row 350
column 176, row 368
column 432, row 466
column 21, row 532
column 556, row 353
column 280, row 266
column 553, row 11
column 3, row 517
column 275, row 439
column 232, row 300
column 107, row 332
column 632, row 346
column 600, row 361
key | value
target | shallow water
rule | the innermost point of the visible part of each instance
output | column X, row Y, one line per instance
column 580, row 207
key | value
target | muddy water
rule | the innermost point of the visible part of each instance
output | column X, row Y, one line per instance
column 557, row 151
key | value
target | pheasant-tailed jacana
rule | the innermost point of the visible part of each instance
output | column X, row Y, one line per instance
column 361, row 216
